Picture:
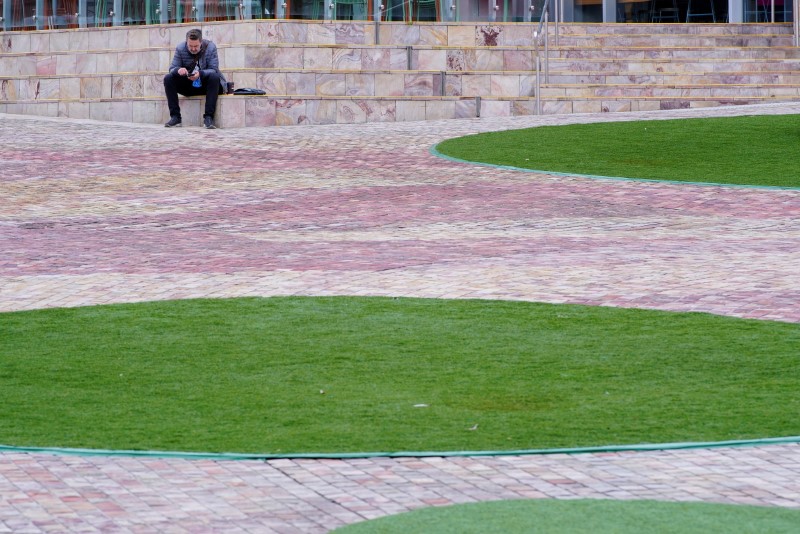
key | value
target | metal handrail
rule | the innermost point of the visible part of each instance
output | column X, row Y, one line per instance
column 538, row 37
column 545, row 10
column 545, row 20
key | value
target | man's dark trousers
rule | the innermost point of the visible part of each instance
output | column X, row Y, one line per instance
column 174, row 84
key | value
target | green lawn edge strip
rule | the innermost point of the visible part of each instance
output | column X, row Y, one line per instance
column 435, row 152
column 408, row 454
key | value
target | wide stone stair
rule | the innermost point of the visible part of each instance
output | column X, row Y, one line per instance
column 349, row 72
column 640, row 67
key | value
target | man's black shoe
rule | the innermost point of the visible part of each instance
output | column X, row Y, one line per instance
column 174, row 122
column 209, row 123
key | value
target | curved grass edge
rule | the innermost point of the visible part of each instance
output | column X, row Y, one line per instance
column 6, row 449
column 433, row 150
column 585, row 515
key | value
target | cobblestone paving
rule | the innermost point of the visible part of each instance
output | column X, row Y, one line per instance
column 97, row 213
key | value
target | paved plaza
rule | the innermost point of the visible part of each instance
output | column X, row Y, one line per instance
column 96, row 213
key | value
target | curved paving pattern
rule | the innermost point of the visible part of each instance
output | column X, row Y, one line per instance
column 98, row 213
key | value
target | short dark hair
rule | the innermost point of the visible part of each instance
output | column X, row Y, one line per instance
column 194, row 35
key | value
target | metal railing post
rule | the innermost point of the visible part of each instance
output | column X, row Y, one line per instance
column 4, row 19
column 538, row 98
column 558, row 8
column 544, row 20
column 795, row 17
column 116, row 13
column 377, row 13
column 546, row 48
column 81, row 14
column 38, row 18
column 451, row 12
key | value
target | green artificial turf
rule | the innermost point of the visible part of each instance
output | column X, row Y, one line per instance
column 758, row 150
column 584, row 517
column 346, row 374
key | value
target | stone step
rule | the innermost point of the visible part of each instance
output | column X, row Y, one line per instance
column 271, row 32
column 302, row 83
column 676, row 53
column 674, row 40
column 277, row 82
column 577, row 28
column 555, row 105
column 366, row 57
column 260, row 111
column 351, row 58
column 789, row 77
column 656, row 66
column 235, row 111
column 500, row 64
column 670, row 91
column 281, row 54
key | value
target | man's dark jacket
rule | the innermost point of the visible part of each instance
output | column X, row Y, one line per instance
column 209, row 60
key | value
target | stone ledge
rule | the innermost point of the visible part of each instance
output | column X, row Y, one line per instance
column 240, row 111
column 260, row 111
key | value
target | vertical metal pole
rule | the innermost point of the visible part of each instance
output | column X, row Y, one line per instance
column 163, row 6
column 38, row 15
column 559, row 6
column 796, row 18
column 6, row 15
column 116, row 18
column 538, row 98
column 546, row 47
column 453, row 11
column 83, row 7
column 377, row 12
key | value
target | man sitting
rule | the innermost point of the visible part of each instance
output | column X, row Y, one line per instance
column 194, row 71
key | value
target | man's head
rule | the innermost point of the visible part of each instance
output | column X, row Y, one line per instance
column 194, row 38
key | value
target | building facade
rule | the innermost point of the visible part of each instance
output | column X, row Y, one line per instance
column 53, row 14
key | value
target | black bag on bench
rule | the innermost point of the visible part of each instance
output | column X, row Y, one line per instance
column 249, row 91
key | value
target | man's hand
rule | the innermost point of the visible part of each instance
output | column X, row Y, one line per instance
column 185, row 72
